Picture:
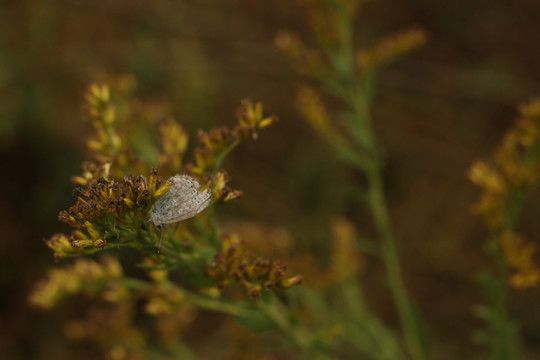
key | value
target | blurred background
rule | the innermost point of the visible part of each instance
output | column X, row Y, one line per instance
column 435, row 111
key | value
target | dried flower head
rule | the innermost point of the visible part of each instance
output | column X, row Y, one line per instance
column 104, row 212
column 235, row 264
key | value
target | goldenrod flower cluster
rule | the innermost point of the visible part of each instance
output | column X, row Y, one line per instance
column 217, row 143
column 112, row 210
column 107, row 146
column 346, row 260
column 310, row 105
column 307, row 61
column 112, row 205
column 84, row 276
column 514, row 170
column 174, row 142
column 345, row 73
column 332, row 32
column 105, row 279
column 105, row 210
column 235, row 264
column 389, row 49
column 519, row 255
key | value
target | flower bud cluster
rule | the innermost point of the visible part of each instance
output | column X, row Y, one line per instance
column 103, row 207
column 235, row 264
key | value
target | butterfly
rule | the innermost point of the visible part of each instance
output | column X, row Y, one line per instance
column 183, row 201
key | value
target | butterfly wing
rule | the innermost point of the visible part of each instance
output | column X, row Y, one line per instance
column 182, row 201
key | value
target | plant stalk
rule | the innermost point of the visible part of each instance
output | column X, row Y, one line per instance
column 391, row 261
column 276, row 312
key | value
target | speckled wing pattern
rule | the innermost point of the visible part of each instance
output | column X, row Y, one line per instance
column 182, row 201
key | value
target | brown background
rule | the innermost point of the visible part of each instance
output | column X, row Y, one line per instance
column 436, row 111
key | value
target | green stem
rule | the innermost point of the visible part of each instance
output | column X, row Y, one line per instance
column 391, row 261
column 213, row 238
column 276, row 312
column 136, row 284
column 363, row 130
column 212, row 235
column 502, row 344
column 364, row 134
column 198, row 301
column 218, row 305
column 223, row 154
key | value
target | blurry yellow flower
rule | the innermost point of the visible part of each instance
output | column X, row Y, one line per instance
column 390, row 49
column 85, row 276
column 289, row 43
column 346, row 261
column 250, row 119
column 531, row 109
column 309, row 104
column 307, row 61
column 484, row 176
column 156, row 274
column 165, row 300
column 515, row 168
column 174, row 141
column 519, row 255
column 97, row 95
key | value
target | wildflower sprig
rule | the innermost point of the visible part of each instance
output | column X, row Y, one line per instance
column 216, row 144
column 113, row 208
column 105, row 279
column 504, row 183
column 348, row 75
column 107, row 145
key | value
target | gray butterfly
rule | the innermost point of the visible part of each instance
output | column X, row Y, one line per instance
column 182, row 201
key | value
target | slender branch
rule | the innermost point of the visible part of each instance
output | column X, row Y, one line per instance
column 219, row 305
column 276, row 312
column 223, row 154
column 391, row 261
column 198, row 301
